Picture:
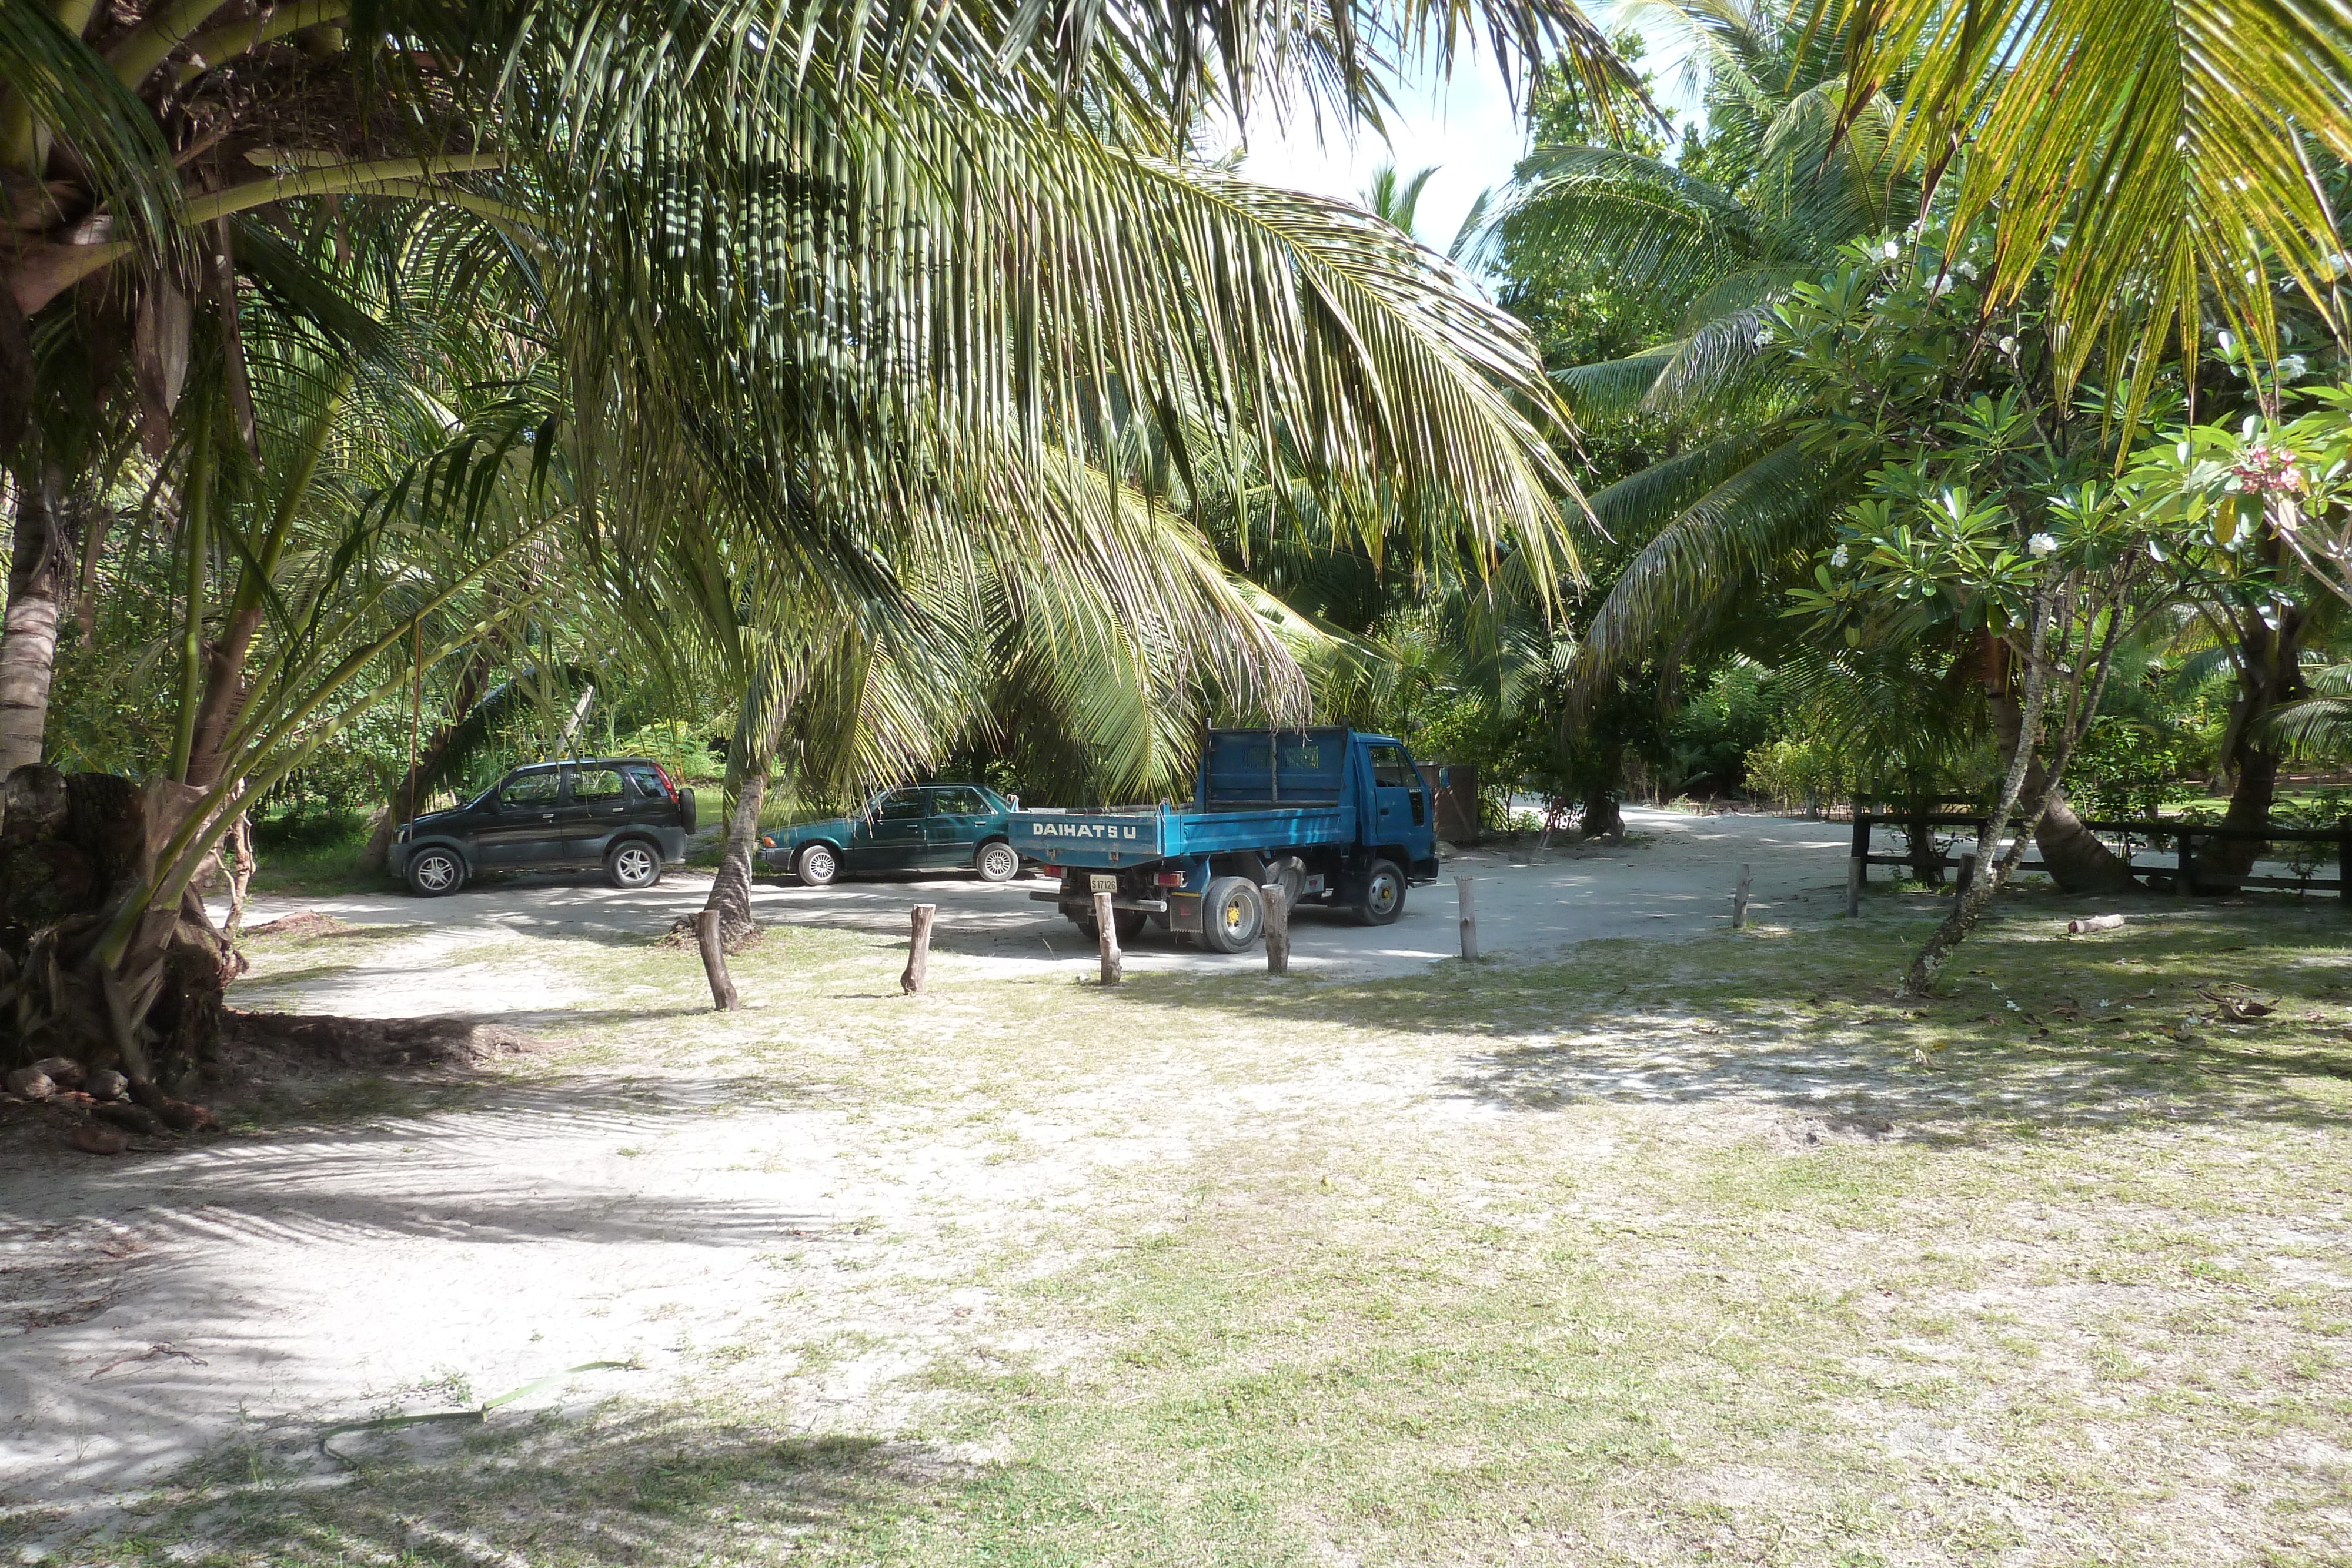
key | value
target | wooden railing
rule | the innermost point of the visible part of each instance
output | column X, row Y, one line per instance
column 2183, row 836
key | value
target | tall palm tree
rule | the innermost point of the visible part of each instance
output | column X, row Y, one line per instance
column 1793, row 168
column 858, row 294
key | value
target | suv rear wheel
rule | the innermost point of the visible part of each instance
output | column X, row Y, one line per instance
column 632, row 864
column 432, row 872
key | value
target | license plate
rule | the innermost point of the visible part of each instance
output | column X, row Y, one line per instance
column 1103, row 883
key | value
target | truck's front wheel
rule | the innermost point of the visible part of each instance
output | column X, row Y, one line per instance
column 1232, row 914
column 1383, row 898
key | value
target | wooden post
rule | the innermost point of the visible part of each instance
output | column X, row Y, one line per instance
column 2344, row 859
column 2183, row 882
column 1739, row 900
column 714, row 960
column 1967, row 872
column 1278, row 927
column 918, row 950
column 1857, row 866
column 1465, row 895
column 1114, row 962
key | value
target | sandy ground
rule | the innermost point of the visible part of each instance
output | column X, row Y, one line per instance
column 1674, row 880
column 281, row 1282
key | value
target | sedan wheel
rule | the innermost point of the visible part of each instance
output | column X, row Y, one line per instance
column 997, row 862
column 435, row 873
column 818, row 865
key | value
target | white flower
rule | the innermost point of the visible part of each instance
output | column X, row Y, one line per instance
column 1840, row 556
column 1967, row 270
column 2226, row 341
column 2041, row 545
column 1764, row 337
column 1940, row 286
column 2008, row 345
column 2293, row 366
column 1890, row 250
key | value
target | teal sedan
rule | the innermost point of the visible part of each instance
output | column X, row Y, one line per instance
column 918, row 827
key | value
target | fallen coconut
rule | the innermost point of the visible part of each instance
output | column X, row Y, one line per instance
column 132, row 1118
column 182, row 1116
column 30, row 1083
column 63, row 1071
column 105, row 1083
column 92, row 1139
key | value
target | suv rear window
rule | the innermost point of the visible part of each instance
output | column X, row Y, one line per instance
column 646, row 779
column 594, row 785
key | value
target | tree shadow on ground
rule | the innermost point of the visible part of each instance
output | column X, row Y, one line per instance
column 153, row 1234
column 604, row 1489
column 1809, row 1025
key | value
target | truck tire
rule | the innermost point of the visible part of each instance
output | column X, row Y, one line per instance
column 434, row 871
column 997, row 861
column 1382, row 898
column 817, row 866
column 1233, row 912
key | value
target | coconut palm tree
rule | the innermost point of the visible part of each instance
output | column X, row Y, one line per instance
column 855, row 295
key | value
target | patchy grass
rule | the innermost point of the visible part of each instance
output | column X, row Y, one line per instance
column 1717, row 1250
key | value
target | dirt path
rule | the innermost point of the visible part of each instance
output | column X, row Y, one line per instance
column 1674, row 881
column 320, row 1279
column 839, row 1214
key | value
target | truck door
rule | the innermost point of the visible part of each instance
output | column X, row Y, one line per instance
column 1399, row 800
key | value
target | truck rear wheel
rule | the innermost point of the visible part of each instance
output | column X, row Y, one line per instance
column 1383, row 899
column 1232, row 914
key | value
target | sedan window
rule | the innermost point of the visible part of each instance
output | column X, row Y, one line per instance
column 961, row 803
column 906, row 803
column 530, row 790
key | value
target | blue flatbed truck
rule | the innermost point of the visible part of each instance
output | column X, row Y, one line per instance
column 1338, row 818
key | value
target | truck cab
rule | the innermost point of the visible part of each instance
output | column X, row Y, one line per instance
column 1337, row 817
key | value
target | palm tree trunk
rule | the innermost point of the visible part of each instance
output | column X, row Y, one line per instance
column 1968, row 908
column 730, row 890
column 403, row 803
column 29, row 641
column 2077, row 861
column 2270, row 673
column 1601, row 817
column 758, row 733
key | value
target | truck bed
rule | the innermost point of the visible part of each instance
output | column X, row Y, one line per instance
column 1125, row 838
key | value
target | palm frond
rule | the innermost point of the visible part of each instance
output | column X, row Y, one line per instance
column 2166, row 143
column 1726, row 542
